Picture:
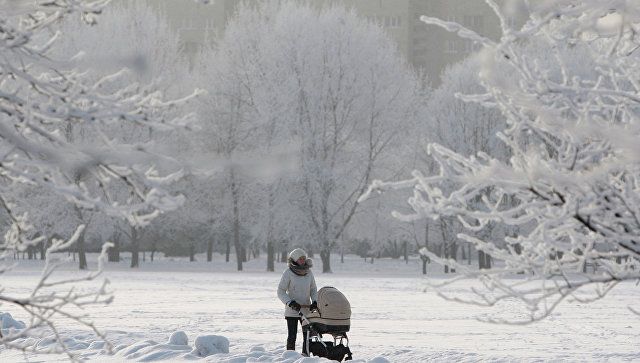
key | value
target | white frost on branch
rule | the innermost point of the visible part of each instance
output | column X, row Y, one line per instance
column 70, row 132
column 568, row 85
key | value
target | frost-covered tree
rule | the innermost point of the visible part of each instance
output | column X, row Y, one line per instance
column 229, row 129
column 568, row 86
column 338, row 91
column 42, row 93
column 354, row 97
column 466, row 128
column 129, row 35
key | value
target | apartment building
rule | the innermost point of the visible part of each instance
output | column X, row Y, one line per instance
column 196, row 22
column 430, row 47
column 427, row 47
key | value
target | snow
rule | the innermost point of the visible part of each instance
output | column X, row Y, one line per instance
column 8, row 322
column 609, row 25
column 175, row 310
column 211, row 344
column 179, row 338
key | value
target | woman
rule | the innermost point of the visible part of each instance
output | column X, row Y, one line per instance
column 297, row 287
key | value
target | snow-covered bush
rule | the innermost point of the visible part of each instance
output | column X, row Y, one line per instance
column 179, row 338
column 206, row 345
column 568, row 86
column 8, row 322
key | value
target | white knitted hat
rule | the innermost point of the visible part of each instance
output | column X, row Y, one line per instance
column 296, row 254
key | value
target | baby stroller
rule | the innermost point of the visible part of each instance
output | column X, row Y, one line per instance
column 332, row 317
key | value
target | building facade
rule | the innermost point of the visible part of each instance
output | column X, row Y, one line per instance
column 426, row 47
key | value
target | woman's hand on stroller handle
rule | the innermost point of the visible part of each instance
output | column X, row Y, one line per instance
column 294, row 305
column 313, row 307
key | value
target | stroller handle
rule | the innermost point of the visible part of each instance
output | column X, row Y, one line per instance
column 307, row 307
column 301, row 314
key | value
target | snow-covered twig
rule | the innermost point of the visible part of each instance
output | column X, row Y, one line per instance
column 566, row 85
column 66, row 132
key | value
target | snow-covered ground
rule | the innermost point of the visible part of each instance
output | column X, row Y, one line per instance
column 393, row 319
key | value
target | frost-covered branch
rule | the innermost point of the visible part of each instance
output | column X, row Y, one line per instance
column 68, row 131
column 52, row 300
column 567, row 85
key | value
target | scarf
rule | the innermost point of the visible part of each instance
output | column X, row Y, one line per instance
column 297, row 269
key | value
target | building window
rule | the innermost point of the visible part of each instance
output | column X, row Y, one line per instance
column 451, row 46
column 211, row 24
column 189, row 47
column 467, row 45
column 467, row 21
column 473, row 22
column 392, row 21
column 478, row 23
column 470, row 46
column 187, row 24
column 387, row 21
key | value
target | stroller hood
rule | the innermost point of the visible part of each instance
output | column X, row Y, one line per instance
column 334, row 312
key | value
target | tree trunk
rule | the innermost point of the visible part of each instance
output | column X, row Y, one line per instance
column 283, row 256
column 395, row 250
column 82, row 256
column 114, row 251
column 192, row 252
column 426, row 235
column 445, row 253
column 271, row 252
column 453, row 253
column 236, row 224
column 406, row 252
column 481, row 260
column 325, row 256
column 134, row 248
column 43, row 249
column 210, row 248
column 244, row 254
column 445, row 245
column 425, row 259
column 487, row 260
